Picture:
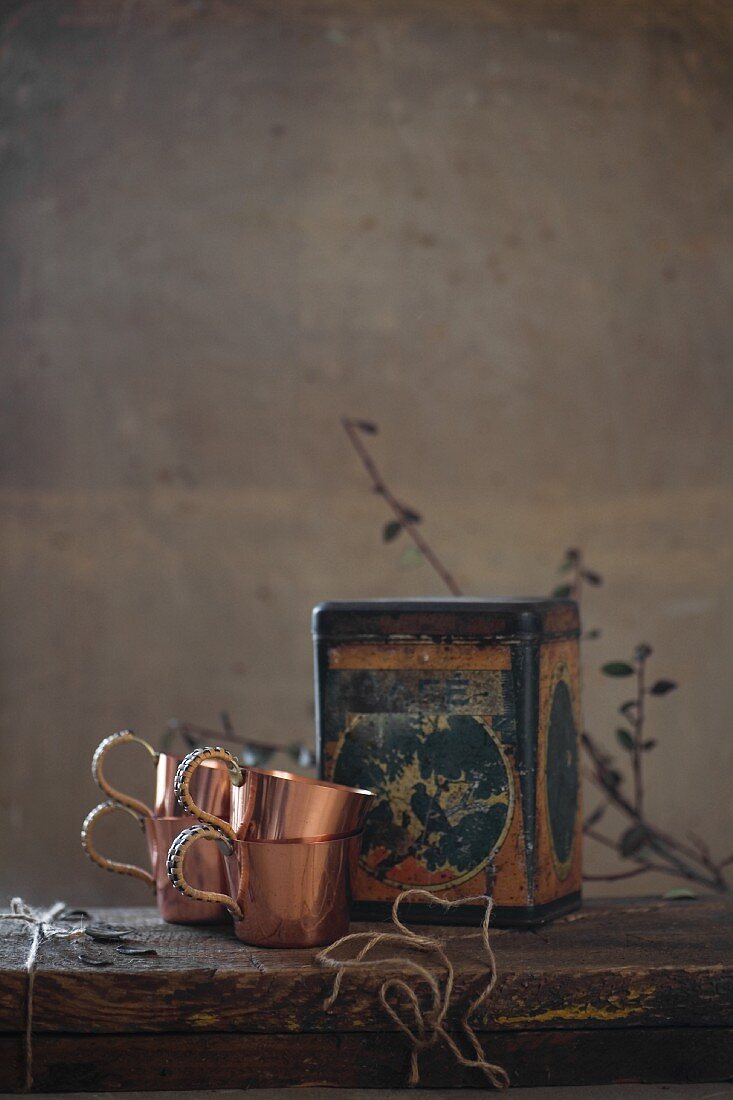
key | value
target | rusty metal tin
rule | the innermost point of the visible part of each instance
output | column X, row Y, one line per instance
column 462, row 715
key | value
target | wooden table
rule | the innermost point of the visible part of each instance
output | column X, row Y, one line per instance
column 622, row 991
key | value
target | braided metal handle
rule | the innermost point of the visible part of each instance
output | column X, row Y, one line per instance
column 122, row 738
column 87, row 828
column 174, row 866
column 182, row 785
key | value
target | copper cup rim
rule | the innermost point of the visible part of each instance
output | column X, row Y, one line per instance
column 310, row 780
column 337, row 838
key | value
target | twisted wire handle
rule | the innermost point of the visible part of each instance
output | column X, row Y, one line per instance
column 185, row 773
column 90, row 848
column 122, row 738
column 177, row 855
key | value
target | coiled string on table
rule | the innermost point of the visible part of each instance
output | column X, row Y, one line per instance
column 429, row 1025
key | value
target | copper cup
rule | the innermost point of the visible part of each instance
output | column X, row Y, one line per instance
column 161, row 824
column 274, row 805
column 211, row 788
column 205, row 866
column 282, row 893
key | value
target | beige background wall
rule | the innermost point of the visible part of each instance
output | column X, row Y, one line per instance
column 500, row 228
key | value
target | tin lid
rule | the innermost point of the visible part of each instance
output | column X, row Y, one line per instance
column 448, row 619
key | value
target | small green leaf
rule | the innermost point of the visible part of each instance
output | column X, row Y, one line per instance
column 591, row 577
column 591, row 635
column 410, row 557
column 624, row 739
column 617, row 668
column 650, row 744
column 562, row 591
column 679, row 893
column 367, row 426
column 391, row 530
column 662, row 687
column 632, row 840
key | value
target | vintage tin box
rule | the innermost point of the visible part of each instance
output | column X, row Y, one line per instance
column 462, row 715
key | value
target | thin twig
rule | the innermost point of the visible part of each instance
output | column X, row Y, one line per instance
column 208, row 736
column 644, row 865
column 642, row 870
column 682, row 861
column 576, row 587
column 194, row 734
column 638, row 734
column 602, row 839
column 401, row 513
column 580, row 577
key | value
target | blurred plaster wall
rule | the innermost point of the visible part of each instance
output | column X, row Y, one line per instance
column 499, row 228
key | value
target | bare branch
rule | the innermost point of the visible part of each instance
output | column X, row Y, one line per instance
column 642, row 870
column 401, row 513
column 693, row 863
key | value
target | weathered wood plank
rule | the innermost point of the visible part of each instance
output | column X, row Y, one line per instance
column 116, row 1062
column 293, row 1002
column 590, row 999
column 639, row 965
column 14, row 943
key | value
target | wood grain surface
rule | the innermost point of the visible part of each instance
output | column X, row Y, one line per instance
column 639, row 990
column 629, row 964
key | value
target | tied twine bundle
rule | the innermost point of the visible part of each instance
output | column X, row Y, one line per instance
column 429, row 1023
column 41, row 921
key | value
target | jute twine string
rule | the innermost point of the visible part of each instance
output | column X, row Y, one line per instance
column 428, row 1024
column 41, row 921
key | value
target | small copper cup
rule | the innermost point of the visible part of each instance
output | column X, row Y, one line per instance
column 161, row 824
column 211, row 788
column 274, row 805
column 205, row 865
column 282, row 893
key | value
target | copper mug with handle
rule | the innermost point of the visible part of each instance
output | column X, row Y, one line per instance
column 282, row 893
column 161, row 825
column 204, row 866
column 273, row 805
column 211, row 788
